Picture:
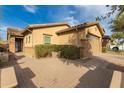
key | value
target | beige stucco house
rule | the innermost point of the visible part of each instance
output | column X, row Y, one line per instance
column 87, row 35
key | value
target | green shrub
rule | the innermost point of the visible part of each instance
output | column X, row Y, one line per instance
column 42, row 50
column 104, row 49
column 70, row 52
column 66, row 51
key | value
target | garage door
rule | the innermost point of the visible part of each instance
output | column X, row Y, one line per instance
column 95, row 44
column 91, row 46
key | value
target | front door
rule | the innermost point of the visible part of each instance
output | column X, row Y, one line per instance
column 18, row 44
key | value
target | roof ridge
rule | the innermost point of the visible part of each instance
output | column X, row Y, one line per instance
column 86, row 24
column 12, row 28
column 49, row 24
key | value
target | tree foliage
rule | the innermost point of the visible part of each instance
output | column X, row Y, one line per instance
column 113, row 9
column 117, row 24
column 119, row 8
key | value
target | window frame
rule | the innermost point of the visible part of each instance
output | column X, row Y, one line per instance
column 29, row 39
column 26, row 40
column 46, row 36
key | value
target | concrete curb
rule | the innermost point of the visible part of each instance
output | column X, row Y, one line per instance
column 8, row 78
column 116, row 80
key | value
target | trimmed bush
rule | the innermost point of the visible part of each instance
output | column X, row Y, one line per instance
column 66, row 51
column 70, row 52
column 43, row 50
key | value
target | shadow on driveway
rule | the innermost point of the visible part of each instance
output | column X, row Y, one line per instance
column 98, row 78
column 100, row 72
column 23, row 75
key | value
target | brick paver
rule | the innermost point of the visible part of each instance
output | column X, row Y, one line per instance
column 59, row 73
column 48, row 72
column 112, row 58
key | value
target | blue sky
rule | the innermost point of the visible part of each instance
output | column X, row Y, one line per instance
column 19, row 16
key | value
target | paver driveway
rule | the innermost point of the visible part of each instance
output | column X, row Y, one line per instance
column 56, row 72
column 112, row 58
column 49, row 72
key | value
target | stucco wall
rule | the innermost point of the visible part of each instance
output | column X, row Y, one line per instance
column 38, row 34
column 27, row 44
column 68, row 38
column 72, row 38
column 82, row 36
column 94, row 30
column 36, row 37
column 11, row 42
column 65, row 38
column 29, row 51
column 96, row 44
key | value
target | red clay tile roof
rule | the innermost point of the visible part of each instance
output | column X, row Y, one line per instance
column 13, row 31
column 46, row 25
column 35, row 26
column 106, row 37
column 84, row 25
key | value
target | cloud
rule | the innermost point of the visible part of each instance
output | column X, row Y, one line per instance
column 3, row 27
column 3, row 30
column 98, row 9
column 72, row 12
column 30, row 8
column 71, row 20
column 92, row 11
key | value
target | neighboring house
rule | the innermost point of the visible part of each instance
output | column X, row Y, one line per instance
column 106, row 40
column 87, row 35
column 3, row 45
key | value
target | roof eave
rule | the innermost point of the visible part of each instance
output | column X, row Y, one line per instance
column 50, row 25
column 72, row 28
column 101, row 29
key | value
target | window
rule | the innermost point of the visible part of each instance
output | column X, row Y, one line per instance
column 47, row 39
column 29, row 40
column 26, row 39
